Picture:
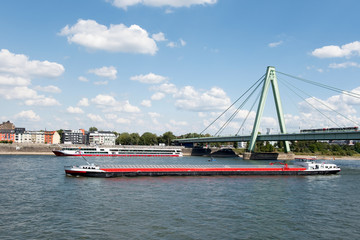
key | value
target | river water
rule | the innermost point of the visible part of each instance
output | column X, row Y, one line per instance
column 38, row 201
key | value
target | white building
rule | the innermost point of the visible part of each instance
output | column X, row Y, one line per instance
column 102, row 138
column 24, row 137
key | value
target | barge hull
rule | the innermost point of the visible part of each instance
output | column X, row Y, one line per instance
column 109, row 174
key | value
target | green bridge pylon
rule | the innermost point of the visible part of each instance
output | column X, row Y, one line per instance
column 270, row 77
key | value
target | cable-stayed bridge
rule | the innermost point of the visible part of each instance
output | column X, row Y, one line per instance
column 267, row 80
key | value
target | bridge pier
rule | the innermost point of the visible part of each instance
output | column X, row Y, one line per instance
column 268, row 156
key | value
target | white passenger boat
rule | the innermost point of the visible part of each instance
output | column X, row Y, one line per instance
column 119, row 152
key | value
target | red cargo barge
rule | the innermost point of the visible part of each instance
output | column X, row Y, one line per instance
column 200, row 170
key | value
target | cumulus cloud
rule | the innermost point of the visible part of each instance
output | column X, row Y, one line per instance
column 20, row 65
column 150, row 78
column 190, row 99
column 181, row 43
column 83, row 79
column 160, row 3
column 42, row 101
column 95, row 118
column 74, row 110
column 178, row 123
column 50, row 89
column 18, row 93
column 108, row 72
column 333, row 51
column 16, row 72
column 146, row 103
column 116, row 38
column 84, row 102
column 29, row 115
column 109, row 104
column 159, row 37
column 157, row 96
column 14, row 81
column 167, row 88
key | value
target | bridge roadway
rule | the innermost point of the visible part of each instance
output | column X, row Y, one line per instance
column 351, row 135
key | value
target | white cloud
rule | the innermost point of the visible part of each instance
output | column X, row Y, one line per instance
column 29, row 115
column 146, row 103
column 106, row 100
column 83, row 79
column 154, row 114
column 275, row 44
column 14, row 81
column 182, row 42
column 150, row 78
column 171, row 44
column 111, row 116
column 190, row 99
column 74, row 110
column 167, row 88
column 18, row 93
column 108, row 72
column 331, row 51
column 95, row 118
column 50, row 89
column 116, row 38
column 109, row 104
column 161, row 3
column 20, row 65
column 178, row 123
column 159, row 37
column 344, row 65
column 157, row 96
column 42, row 101
column 123, row 121
column 84, row 102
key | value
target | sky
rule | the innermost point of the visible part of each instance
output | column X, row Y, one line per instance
column 175, row 65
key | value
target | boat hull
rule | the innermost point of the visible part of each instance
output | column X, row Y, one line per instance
column 134, row 172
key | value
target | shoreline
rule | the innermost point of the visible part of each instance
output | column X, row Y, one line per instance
column 319, row 157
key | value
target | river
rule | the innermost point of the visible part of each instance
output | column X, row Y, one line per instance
column 38, row 201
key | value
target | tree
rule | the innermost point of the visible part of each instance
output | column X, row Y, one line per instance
column 168, row 137
column 135, row 138
column 93, row 129
column 148, row 139
column 123, row 139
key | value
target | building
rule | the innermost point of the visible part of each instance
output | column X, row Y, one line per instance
column 7, row 126
column 101, row 138
column 21, row 136
column 74, row 136
column 7, row 135
column 52, row 137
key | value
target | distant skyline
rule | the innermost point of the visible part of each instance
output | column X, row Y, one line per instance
column 172, row 65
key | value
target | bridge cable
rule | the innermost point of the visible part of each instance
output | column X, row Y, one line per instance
column 257, row 98
column 321, row 103
column 260, row 79
column 237, row 111
column 352, row 94
column 312, row 105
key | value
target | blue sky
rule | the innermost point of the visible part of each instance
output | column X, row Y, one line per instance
column 171, row 65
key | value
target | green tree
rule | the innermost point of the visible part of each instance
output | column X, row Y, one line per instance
column 148, row 139
column 168, row 137
column 123, row 139
column 93, row 129
column 135, row 138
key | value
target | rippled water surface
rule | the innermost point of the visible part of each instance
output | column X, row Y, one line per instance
column 39, row 202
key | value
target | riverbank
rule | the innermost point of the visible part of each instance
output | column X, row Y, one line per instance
column 46, row 149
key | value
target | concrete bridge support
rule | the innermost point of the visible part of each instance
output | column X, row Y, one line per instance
column 270, row 78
